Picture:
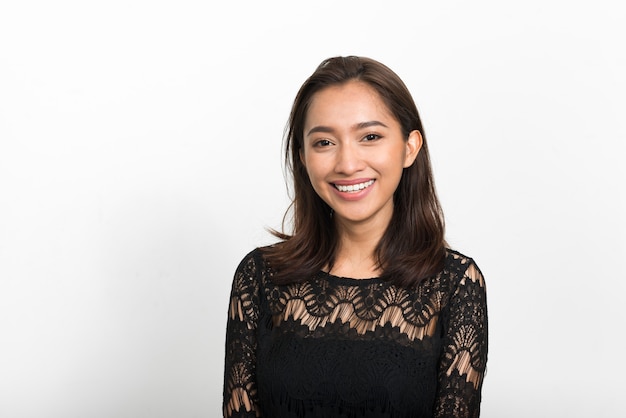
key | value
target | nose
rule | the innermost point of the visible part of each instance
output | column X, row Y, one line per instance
column 348, row 159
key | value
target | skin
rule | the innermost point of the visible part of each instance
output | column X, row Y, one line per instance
column 351, row 139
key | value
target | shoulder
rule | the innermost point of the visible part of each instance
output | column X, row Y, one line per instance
column 252, row 259
column 252, row 266
column 247, row 272
column 462, row 267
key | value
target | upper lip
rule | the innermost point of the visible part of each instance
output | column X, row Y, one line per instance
column 351, row 182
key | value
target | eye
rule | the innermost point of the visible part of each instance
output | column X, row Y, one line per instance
column 322, row 143
column 371, row 137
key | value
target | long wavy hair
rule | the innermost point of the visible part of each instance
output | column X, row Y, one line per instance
column 413, row 245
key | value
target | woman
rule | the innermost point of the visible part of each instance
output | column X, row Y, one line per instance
column 362, row 311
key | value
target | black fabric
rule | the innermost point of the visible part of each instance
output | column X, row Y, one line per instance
column 340, row 347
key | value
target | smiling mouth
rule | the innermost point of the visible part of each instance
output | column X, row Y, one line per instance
column 353, row 188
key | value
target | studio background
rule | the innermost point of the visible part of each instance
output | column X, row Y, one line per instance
column 140, row 160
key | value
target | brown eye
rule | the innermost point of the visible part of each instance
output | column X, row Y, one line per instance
column 371, row 137
column 322, row 143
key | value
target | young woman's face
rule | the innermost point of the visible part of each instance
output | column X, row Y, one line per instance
column 354, row 152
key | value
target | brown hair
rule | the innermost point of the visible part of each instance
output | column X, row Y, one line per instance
column 413, row 246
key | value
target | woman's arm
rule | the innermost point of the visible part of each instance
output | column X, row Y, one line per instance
column 240, row 391
column 464, row 357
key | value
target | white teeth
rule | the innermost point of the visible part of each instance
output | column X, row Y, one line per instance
column 354, row 187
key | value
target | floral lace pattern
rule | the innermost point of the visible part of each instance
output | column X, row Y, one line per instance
column 338, row 347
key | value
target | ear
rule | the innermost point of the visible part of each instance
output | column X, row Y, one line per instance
column 301, row 154
column 413, row 147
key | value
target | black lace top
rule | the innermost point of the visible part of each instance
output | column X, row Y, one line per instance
column 339, row 347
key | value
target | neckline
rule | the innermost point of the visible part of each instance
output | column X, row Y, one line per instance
column 342, row 279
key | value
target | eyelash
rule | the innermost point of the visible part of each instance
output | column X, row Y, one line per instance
column 322, row 143
column 371, row 137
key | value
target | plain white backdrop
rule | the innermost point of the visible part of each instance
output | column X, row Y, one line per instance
column 140, row 160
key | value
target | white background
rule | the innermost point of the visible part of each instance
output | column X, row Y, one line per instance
column 140, row 160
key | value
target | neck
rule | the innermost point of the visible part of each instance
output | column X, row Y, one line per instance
column 355, row 255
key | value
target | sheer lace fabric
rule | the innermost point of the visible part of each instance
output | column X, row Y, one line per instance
column 339, row 347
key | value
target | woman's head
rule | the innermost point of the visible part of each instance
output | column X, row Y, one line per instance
column 394, row 94
column 354, row 152
column 416, row 224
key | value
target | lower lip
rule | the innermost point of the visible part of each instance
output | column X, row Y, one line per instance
column 354, row 195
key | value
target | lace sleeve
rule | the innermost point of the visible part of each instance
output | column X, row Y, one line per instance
column 462, row 363
column 240, row 391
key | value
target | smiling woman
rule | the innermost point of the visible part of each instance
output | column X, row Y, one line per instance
column 354, row 153
column 362, row 310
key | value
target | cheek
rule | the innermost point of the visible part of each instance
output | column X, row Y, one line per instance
column 318, row 184
column 314, row 167
column 391, row 162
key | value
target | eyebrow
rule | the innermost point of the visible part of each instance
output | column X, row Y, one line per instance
column 362, row 125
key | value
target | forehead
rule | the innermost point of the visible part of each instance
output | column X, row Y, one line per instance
column 352, row 102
